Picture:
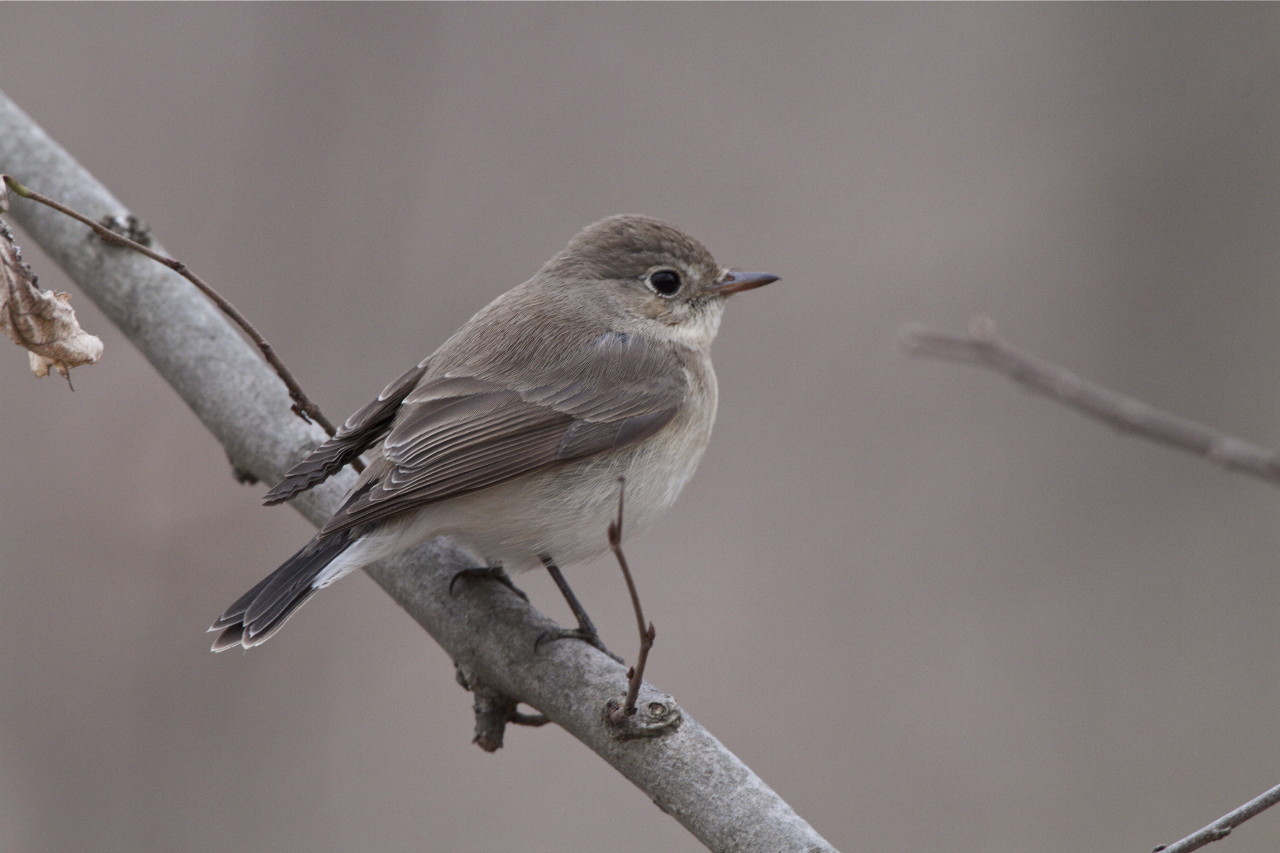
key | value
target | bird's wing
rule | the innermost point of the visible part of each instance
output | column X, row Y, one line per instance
column 458, row 433
column 357, row 435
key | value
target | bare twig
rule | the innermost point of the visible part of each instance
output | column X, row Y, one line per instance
column 982, row 347
column 635, row 675
column 302, row 405
column 1222, row 827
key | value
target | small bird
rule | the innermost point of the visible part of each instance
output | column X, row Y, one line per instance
column 512, row 436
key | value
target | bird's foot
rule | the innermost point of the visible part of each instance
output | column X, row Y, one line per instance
column 495, row 573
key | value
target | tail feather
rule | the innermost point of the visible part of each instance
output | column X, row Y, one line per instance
column 261, row 611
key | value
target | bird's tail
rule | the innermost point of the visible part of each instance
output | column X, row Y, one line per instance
column 261, row 611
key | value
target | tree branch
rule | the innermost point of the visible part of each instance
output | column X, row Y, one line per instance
column 490, row 631
column 1222, row 827
column 982, row 347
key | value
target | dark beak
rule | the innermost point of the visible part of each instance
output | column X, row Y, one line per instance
column 737, row 281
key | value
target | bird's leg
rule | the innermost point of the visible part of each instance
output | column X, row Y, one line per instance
column 586, row 630
column 496, row 573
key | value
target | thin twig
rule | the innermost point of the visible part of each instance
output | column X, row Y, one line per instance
column 982, row 347
column 635, row 675
column 1222, row 827
column 302, row 405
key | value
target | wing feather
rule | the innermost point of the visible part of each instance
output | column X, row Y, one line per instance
column 360, row 432
column 456, row 434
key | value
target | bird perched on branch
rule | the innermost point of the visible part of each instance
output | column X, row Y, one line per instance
column 512, row 436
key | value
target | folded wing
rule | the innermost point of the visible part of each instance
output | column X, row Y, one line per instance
column 357, row 435
column 458, row 433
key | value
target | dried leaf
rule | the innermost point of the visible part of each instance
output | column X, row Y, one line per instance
column 41, row 321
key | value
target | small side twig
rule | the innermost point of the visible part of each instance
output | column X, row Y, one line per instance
column 1127, row 414
column 493, row 710
column 302, row 405
column 635, row 675
column 1222, row 827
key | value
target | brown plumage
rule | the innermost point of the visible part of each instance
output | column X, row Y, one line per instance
column 512, row 435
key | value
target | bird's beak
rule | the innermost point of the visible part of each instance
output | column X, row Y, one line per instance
column 737, row 281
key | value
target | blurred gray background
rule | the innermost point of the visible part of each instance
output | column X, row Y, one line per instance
column 928, row 608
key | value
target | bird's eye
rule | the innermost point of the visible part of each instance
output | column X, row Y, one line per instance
column 664, row 282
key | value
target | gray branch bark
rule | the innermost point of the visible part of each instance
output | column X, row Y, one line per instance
column 1222, row 827
column 487, row 631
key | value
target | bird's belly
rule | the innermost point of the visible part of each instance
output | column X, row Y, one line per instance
column 563, row 512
